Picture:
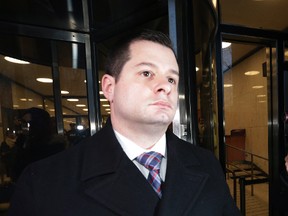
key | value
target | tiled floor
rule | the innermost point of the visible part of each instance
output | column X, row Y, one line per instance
column 257, row 204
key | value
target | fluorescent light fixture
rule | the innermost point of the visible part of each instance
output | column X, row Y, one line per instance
column 228, row 85
column 23, row 99
column 80, row 105
column 225, row 45
column 14, row 60
column 72, row 99
column 80, row 127
column 85, row 109
column 101, row 93
column 257, row 87
column 64, row 92
column 108, row 109
column 106, row 105
column 52, row 110
column 103, row 99
column 197, row 68
column 261, row 96
column 45, row 80
column 251, row 73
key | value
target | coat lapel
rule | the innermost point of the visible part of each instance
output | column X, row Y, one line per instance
column 183, row 182
column 110, row 178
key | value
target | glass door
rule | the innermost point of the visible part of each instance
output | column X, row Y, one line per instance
column 246, row 69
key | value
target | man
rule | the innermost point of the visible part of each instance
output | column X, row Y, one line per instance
column 104, row 174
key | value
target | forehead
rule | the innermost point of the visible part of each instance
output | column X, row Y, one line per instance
column 144, row 50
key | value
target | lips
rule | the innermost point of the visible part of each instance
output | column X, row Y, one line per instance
column 162, row 104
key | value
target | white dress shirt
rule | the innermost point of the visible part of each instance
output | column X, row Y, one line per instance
column 132, row 150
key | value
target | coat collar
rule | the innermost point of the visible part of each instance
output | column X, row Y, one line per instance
column 184, row 180
column 110, row 178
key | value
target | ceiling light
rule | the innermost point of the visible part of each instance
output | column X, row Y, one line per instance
column 263, row 101
column 106, row 105
column 45, row 80
column 80, row 127
column 52, row 110
column 23, row 99
column 197, row 68
column 261, row 96
column 85, row 109
column 257, row 87
column 64, row 92
column 103, row 99
column 228, row 85
column 251, row 73
column 80, row 105
column 225, row 45
column 101, row 93
column 108, row 109
column 15, row 105
column 72, row 99
column 17, row 61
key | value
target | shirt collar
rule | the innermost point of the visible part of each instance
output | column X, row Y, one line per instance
column 132, row 150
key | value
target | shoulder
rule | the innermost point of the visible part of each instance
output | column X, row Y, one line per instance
column 187, row 148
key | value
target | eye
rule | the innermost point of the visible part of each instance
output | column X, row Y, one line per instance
column 146, row 74
column 171, row 80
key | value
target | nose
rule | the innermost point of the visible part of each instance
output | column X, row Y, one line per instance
column 162, row 85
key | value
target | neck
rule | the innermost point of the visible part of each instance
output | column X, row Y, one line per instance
column 144, row 136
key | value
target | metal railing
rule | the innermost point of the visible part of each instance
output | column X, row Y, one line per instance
column 250, row 174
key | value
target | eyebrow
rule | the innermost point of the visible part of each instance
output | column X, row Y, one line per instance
column 153, row 65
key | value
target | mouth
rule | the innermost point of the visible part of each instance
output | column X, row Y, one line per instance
column 162, row 104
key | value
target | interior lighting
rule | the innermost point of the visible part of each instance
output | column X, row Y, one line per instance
column 251, row 73
column 85, row 109
column 225, row 45
column 45, row 80
column 261, row 96
column 257, row 87
column 106, row 105
column 15, row 105
column 64, row 92
column 228, row 85
column 80, row 127
column 14, row 60
column 72, row 99
column 108, row 109
column 103, row 99
column 80, row 105
column 23, row 99
column 197, row 68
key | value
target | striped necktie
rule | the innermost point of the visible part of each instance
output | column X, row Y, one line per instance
column 152, row 160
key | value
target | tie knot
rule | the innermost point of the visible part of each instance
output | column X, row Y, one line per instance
column 151, row 160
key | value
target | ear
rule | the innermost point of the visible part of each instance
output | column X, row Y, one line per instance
column 108, row 83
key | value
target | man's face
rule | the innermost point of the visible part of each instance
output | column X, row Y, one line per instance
column 147, row 89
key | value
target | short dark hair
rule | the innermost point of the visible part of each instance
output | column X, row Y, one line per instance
column 120, row 54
